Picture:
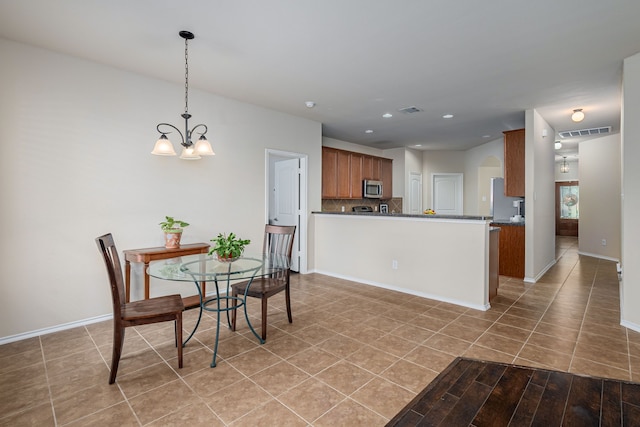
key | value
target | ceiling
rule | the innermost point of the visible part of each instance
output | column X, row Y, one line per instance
column 484, row 62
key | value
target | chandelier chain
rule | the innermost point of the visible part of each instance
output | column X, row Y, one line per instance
column 186, row 76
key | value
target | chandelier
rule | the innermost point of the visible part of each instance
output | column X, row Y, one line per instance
column 564, row 167
column 190, row 151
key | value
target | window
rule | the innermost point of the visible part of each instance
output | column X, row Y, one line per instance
column 569, row 202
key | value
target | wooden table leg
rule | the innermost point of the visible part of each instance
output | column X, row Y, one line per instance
column 146, row 281
column 127, row 280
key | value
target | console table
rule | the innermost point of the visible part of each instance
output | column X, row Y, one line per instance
column 153, row 254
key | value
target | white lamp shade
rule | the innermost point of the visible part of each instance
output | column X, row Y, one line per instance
column 189, row 154
column 203, row 148
column 577, row 116
column 163, row 147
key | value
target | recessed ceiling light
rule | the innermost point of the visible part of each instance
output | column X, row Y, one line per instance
column 447, row 116
column 486, row 136
column 387, row 115
column 310, row 104
column 418, row 145
column 368, row 131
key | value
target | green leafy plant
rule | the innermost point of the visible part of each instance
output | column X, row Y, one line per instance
column 172, row 225
column 229, row 246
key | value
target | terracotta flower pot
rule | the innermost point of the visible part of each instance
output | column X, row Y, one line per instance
column 172, row 239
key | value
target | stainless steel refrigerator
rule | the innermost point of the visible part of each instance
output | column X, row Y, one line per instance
column 503, row 208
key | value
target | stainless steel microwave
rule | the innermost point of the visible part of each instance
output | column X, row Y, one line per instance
column 372, row 189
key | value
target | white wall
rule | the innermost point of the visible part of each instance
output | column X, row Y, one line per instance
column 75, row 163
column 475, row 159
column 540, row 233
column 630, row 153
column 348, row 146
column 600, row 197
column 572, row 175
column 440, row 162
column 428, row 252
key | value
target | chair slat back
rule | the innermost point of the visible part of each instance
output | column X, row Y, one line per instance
column 114, row 270
column 278, row 240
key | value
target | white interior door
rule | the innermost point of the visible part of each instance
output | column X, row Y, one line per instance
column 447, row 193
column 286, row 201
column 415, row 193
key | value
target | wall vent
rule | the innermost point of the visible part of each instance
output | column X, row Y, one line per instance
column 410, row 110
column 585, row 132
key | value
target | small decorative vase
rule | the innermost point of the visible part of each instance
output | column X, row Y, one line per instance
column 227, row 259
column 172, row 239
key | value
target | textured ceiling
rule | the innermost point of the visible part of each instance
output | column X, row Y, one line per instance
column 484, row 62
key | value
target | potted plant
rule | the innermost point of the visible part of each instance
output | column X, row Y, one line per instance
column 228, row 248
column 172, row 231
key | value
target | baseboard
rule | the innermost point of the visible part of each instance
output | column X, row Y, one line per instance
column 630, row 325
column 52, row 329
column 406, row 291
column 598, row 256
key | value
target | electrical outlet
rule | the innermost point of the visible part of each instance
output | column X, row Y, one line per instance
column 394, row 264
column 604, row 242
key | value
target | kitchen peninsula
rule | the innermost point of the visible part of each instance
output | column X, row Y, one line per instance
column 442, row 257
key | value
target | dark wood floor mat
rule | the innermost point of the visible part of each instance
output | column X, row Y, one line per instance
column 480, row 393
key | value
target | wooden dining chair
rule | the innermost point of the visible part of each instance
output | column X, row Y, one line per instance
column 278, row 240
column 143, row 312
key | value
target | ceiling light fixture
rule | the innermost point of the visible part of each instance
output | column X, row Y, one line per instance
column 557, row 145
column 577, row 115
column 190, row 151
column 310, row 104
column 564, row 167
column 368, row 131
column 387, row 115
column 447, row 116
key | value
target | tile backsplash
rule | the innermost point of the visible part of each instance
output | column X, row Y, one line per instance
column 335, row 205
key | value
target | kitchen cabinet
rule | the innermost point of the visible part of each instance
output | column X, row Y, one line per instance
column 335, row 174
column 511, row 250
column 343, row 173
column 371, row 168
column 514, row 163
column 386, row 175
column 356, row 177
column 494, row 262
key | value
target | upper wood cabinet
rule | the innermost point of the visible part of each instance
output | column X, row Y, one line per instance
column 343, row 173
column 335, row 167
column 386, row 174
column 514, row 163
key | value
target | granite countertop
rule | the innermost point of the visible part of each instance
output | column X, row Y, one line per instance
column 401, row 215
column 507, row 222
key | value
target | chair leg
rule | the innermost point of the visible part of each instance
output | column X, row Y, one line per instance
column 179, row 338
column 118, row 342
column 287, row 298
column 234, row 304
column 264, row 317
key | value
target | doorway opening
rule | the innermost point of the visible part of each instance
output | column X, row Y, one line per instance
column 286, row 199
column 567, row 208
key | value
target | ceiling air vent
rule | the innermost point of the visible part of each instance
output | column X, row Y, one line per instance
column 584, row 132
column 410, row 110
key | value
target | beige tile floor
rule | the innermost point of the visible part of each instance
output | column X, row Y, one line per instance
column 355, row 354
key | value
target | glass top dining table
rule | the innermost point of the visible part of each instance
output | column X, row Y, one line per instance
column 202, row 268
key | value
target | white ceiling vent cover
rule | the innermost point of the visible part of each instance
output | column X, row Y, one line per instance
column 410, row 110
column 585, row 132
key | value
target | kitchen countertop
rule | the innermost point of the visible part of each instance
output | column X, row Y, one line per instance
column 401, row 215
column 507, row 222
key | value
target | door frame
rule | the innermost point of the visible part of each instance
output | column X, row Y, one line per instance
column 575, row 223
column 301, row 229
